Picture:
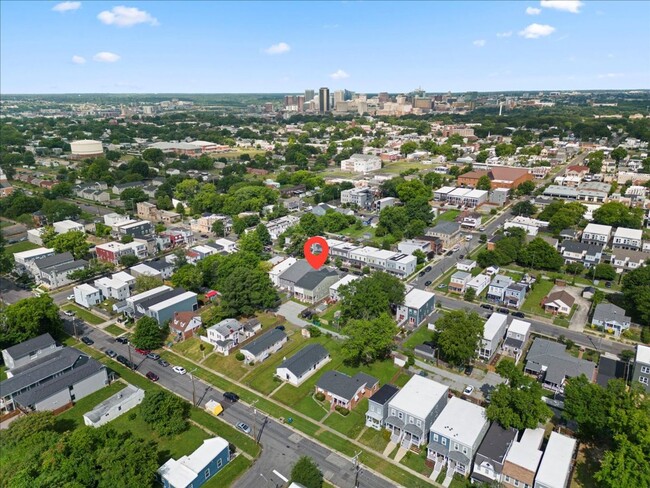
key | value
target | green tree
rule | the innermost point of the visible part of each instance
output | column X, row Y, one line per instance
column 129, row 260
column 133, row 196
column 368, row 340
column 153, row 155
column 588, row 404
column 619, row 215
column 126, row 238
column 518, row 403
column 626, row 466
column 484, row 183
column 246, row 291
column 413, row 189
column 188, row 277
column 458, row 334
column 307, row 473
column 604, row 271
column 539, row 254
column 482, row 156
column 56, row 210
column 370, row 296
column 420, row 256
column 148, row 334
column 619, row 153
column 526, row 188
column 408, row 148
column 595, row 162
column 164, row 202
column 524, row 208
column 470, row 294
column 186, row 189
column 145, row 283
column 6, row 259
column 251, row 242
column 311, row 225
column 263, row 234
column 393, row 220
column 219, row 228
column 636, row 293
column 180, row 209
column 29, row 318
column 166, row 413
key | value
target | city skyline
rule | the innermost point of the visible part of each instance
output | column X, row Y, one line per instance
column 193, row 47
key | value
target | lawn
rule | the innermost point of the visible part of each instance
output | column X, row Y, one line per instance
column 227, row 476
column 73, row 418
column 417, row 462
column 374, row 439
column 418, row 337
column 85, row 315
column 352, row 424
column 3, row 373
column 329, row 313
column 225, row 430
column 534, row 298
column 267, row 319
column 358, row 233
column 227, row 365
column 21, row 246
column 191, row 348
column 115, row 330
column 448, row 215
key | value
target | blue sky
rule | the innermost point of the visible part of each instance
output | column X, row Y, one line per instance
column 215, row 47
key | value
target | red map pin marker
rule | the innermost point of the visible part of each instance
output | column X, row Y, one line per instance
column 316, row 260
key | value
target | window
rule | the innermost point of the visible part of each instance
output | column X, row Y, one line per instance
column 206, row 473
column 516, row 482
column 645, row 369
column 435, row 437
column 444, row 441
column 464, row 450
column 507, row 479
column 411, row 420
column 392, row 412
column 219, row 463
column 400, row 415
column 643, row 380
column 419, row 423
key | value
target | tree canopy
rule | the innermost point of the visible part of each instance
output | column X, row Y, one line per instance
column 189, row 277
column 368, row 340
column 619, row 215
column 371, row 296
column 148, row 334
column 636, row 293
column 307, row 473
column 29, row 318
column 458, row 334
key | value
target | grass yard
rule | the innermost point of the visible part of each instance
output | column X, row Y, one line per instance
column 418, row 337
column 534, row 298
column 587, row 464
column 191, row 348
column 358, row 233
column 21, row 246
column 3, row 373
column 329, row 313
column 225, row 430
column 227, row 476
column 227, row 365
column 417, row 462
column 115, row 330
column 73, row 418
column 447, row 215
column 402, row 379
column 352, row 424
column 374, row 439
column 267, row 319
column 85, row 315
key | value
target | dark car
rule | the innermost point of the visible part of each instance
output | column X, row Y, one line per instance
column 486, row 306
column 427, row 269
column 306, row 314
column 111, row 354
column 427, row 283
column 163, row 363
column 608, row 284
column 519, row 315
column 122, row 340
column 152, row 376
column 421, row 274
column 280, row 327
column 229, row 395
column 154, row 356
column 122, row 359
column 87, row 340
column 468, row 370
column 144, row 352
column 462, row 256
column 503, row 310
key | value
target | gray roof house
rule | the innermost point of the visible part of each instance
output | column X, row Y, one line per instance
column 261, row 348
column 611, row 317
column 378, row 406
column 303, row 364
column 345, row 391
column 314, row 285
column 448, row 232
column 491, row 454
column 553, row 365
column 297, row 270
column 28, row 351
column 114, row 406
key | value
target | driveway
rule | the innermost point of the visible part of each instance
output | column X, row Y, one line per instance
column 291, row 311
column 579, row 319
column 482, row 382
column 10, row 293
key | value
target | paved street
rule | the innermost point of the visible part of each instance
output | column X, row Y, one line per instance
column 10, row 293
column 281, row 445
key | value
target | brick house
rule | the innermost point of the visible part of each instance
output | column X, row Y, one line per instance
column 345, row 391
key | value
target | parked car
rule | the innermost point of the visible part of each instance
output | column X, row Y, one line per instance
column 421, row 274
column 229, row 395
column 442, row 285
column 152, row 376
column 427, row 269
column 122, row 340
column 306, row 314
column 503, row 310
column 468, row 369
column 69, row 313
column 280, row 327
column 243, row 427
column 144, row 352
column 486, row 306
column 519, row 315
column 608, row 284
column 87, row 340
column 462, row 256
column 111, row 354
column 469, row 389
column 481, row 229
column 154, row 356
column 179, row 369
column 427, row 283
column 163, row 363
column 70, row 297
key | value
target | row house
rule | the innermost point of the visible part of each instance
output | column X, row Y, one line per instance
column 136, row 229
column 516, row 338
column 555, row 469
column 624, row 260
column 491, row 455
column 87, row 296
column 581, row 252
column 198, row 253
column 479, row 283
column 176, row 237
column 203, row 225
column 629, row 239
column 278, row 226
column 378, row 406
column 399, row 264
column 523, row 459
column 118, row 287
column 458, row 282
column 111, row 252
column 497, row 289
column 54, row 271
column 418, row 305
column 597, row 234
column 493, row 332
column 515, row 294
column 448, row 232
column 149, row 211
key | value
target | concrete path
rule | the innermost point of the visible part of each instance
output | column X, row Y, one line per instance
column 389, row 448
column 291, row 311
column 401, row 452
column 448, row 479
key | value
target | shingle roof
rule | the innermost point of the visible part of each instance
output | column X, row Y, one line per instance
column 558, row 362
column 50, row 261
column 564, row 296
column 341, row 385
column 609, row 369
column 446, row 227
column 24, row 348
column 496, row 442
column 297, row 270
column 384, row 394
column 264, row 342
column 63, row 267
column 606, row 312
column 312, row 279
column 305, row 359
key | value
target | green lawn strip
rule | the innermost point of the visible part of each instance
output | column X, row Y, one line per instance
column 231, row 472
column 85, row 315
column 114, row 330
column 374, row 439
column 534, row 298
column 192, row 348
column 448, row 216
column 3, row 373
column 382, row 370
column 227, row 365
column 418, row 337
column 417, row 462
column 225, row 430
column 349, row 425
column 336, row 442
column 403, row 478
column 402, row 379
column 21, row 246
column 267, row 319
column 329, row 313
column 73, row 417
column 312, row 408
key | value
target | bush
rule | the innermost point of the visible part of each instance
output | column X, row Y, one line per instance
column 385, row 434
column 343, row 411
column 239, row 356
column 645, row 334
column 320, row 396
column 315, row 332
column 132, row 416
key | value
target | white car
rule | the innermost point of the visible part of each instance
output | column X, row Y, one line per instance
column 70, row 297
column 179, row 369
column 469, row 389
column 69, row 313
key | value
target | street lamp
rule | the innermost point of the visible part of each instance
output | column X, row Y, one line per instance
column 255, row 419
column 191, row 373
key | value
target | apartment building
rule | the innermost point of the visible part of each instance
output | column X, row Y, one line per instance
column 597, row 234
column 361, row 197
column 629, row 239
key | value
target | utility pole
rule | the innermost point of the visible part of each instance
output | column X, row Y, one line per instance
column 128, row 346
column 357, row 469
column 255, row 420
column 193, row 390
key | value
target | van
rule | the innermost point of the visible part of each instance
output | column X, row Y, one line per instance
column 214, row 407
column 468, row 237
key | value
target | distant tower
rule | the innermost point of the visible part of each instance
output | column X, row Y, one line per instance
column 500, row 108
column 324, row 100
column 309, row 95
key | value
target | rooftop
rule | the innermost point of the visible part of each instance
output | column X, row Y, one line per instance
column 496, row 442
column 526, row 452
column 419, row 396
column 494, row 325
column 556, row 463
column 183, row 472
column 384, row 394
column 264, row 342
column 344, row 386
column 121, row 396
column 305, row 359
column 461, row 421
column 417, row 298
column 24, row 348
column 642, row 354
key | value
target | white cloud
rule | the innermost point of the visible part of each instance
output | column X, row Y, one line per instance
column 533, row 11
column 279, row 48
column 78, row 59
column 611, row 75
column 479, row 42
column 106, row 57
column 122, row 16
column 534, row 31
column 339, row 74
column 66, row 6
column 572, row 6
column 504, row 34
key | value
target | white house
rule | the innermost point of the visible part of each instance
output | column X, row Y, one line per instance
column 631, row 239
column 516, row 338
column 493, row 331
column 361, row 163
column 597, row 234
column 555, row 469
column 334, row 289
column 280, row 268
column 302, row 365
column 117, row 286
column 479, row 283
column 86, row 295
column 64, row 226
column 114, row 406
column 531, row 226
column 466, row 265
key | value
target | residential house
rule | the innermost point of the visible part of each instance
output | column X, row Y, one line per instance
column 314, row 286
column 418, row 304
column 24, row 259
column 497, row 289
column 224, row 246
column 111, row 252
column 523, row 459
column 611, row 369
column 630, row 239
column 479, row 283
column 302, row 365
column 361, row 197
column 344, row 391
column 278, row 226
column 516, row 338
column 412, row 411
column 458, row 282
column 196, row 469
column 493, row 331
column 491, row 454
column 581, row 252
column 114, row 406
column 559, row 302
column 448, row 232
column 531, row 226
column 198, row 253
column 611, row 317
column 624, row 260
column 54, row 271
column 87, row 296
column 64, row 226
column 378, row 406
column 409, row 246
column 514, row 295
column 184, row 324
column 470, row 220
column 425, row 351
column 361, row 163
column 642, row 366
column 553, row 365
column 28, row 351
column 117, row 287
column 280, row 267
column 455, row 436
column 597, row 234
column 555, row 469
column 225, row 335
column 261, row 348
column 466, row 265
column 161, row 303
column 334, row 289
column 54, row 378
column 287, row 277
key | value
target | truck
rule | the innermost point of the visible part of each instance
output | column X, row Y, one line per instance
column 214, row 407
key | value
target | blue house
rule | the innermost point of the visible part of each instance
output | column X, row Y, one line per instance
column 194, row 470
column 417, row 306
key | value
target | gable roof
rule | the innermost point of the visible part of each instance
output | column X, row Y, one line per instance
column 559, row 364
column 297, row 270
column 24, row 348
column 341, row 385
column 606, row 312
column 55, row 260
column 312, row 279
column 497, row 442
column 264, row 342
column 446, row 227
column 503, row 173
column 563, row 296
column 305, row 359
column 384, row 394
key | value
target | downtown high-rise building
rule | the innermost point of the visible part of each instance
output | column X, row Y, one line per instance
column 324, row 100
column 309, row 95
